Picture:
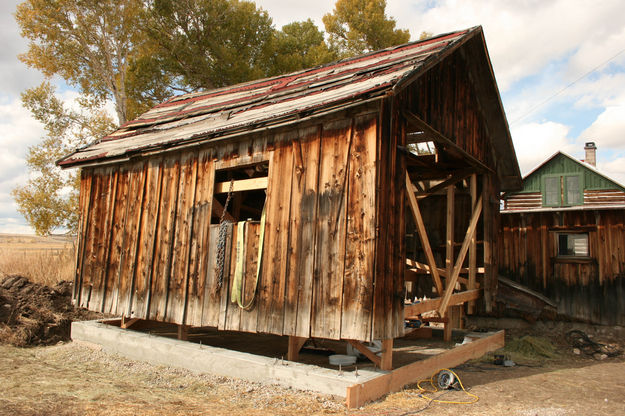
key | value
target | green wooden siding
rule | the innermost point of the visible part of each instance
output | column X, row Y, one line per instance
column 562, row 165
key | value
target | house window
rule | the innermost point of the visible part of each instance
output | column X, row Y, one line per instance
column 573, row 245
column 562, row 190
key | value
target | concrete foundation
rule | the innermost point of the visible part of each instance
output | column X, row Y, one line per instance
column 218, row 361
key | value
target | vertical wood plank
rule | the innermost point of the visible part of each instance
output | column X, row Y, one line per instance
column 117, row 235
column 149, row 223
column 164, row 238
column 302, row 237
column 275, row 257
column 331, row 228
column 180, row 257
column 357, row 303
column 86, row 180
column 110, row 212
column 130, row 239
column 199, row 255
column 92, row 232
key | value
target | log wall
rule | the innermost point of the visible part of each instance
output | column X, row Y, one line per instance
column 591, row 289
column 148, row 249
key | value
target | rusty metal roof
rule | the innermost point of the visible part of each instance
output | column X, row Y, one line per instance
column 202, row 116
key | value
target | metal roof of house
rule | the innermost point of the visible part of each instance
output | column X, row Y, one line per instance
column 269, row 102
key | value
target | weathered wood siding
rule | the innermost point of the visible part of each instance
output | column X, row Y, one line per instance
column 592, row 198
column 446, row 99
column 588, row 289
column 148, row 250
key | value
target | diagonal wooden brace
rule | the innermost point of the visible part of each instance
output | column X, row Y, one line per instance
column 451, row 283
column 425, row 242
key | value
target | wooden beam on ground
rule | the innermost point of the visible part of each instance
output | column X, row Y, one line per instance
column 241, row 185
column 433, row 304
column 128, row 322
column 295, row 345
column 425, row 242
column 472, row 246
column 451, row 282
column 361, row 393
column 366, row 352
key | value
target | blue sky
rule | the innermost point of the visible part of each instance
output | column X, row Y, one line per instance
column 540, row 52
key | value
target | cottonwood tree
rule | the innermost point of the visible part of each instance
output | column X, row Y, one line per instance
column 49, row 199
column 207, row 44
column 300, row 45
column 95, row 47
column 358, row 26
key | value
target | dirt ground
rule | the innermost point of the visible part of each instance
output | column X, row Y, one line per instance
column 65, row 378
column 73, row 379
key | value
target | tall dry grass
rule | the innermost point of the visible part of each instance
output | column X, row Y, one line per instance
column 47, row 266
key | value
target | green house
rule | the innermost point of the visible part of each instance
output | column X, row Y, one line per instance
column 563, row 235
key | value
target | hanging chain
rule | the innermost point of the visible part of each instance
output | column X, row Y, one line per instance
column 221, row 242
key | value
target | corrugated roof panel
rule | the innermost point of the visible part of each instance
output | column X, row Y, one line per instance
column 264, row 102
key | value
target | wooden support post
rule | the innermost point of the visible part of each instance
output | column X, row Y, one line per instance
column 477, row 210
column 361, row 393
column 366, row 352
column 472, row 247
column 183, row 332
column 386, row 362
column 128, row 322
column 449, row 246
column 489, row 241
column 448, row 325
column 425, row 242
column 295, row 345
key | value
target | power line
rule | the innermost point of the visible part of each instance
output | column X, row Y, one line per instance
column 565, row 88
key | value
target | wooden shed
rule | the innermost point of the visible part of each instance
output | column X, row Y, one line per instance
column 279, row 205
column 563, row 236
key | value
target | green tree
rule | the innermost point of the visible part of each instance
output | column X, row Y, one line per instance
column 92, row 45
column 358, row 26
column 49, row 199
column 300, row 45
column 206, row 44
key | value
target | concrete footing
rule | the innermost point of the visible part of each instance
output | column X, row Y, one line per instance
column 218, row 361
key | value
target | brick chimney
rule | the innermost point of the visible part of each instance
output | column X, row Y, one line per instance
column 591, row 153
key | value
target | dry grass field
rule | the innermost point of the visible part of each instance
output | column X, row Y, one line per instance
column 46, row 260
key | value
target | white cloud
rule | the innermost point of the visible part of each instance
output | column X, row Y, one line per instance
column 522, row 37
column 535, row 142
column 286, row 11
column 608, row 130
column 614, row 169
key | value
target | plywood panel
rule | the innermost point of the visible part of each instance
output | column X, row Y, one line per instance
column 357, row 301
column 249, row 318
column 331, row 229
